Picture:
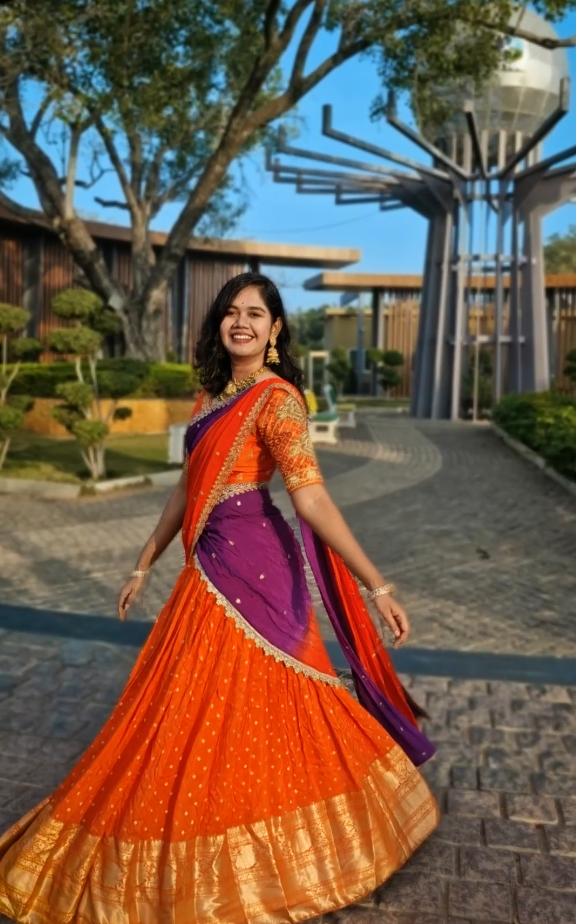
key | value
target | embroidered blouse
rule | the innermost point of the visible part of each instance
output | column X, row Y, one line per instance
column 281, row 439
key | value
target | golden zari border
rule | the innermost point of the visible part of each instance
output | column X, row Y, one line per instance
column 250, row 632
column 288, row 868
column 244, row 487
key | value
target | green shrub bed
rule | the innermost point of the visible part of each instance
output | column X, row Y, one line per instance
column 154, row 380
column 546, row 423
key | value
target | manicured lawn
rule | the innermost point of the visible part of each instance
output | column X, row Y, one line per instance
column 40, row 457
column 379, row 402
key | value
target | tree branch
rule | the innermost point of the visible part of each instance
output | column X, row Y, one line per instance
column 153, row 174
column 270, row 24
column 42, row 110
column 111, row 203
column 310, row 33
column 116, row 162
column 75, row 136
column 241, row 124
column 543, row 41
column 292, row 20
column 136, row 165
column 174, row 190
column 30, row 216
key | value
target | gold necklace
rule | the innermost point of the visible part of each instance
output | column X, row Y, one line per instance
column 235, row 387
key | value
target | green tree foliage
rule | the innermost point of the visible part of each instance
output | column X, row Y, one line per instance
column 485, row 380
column 386, row 363
column 390, row 377
column 570, row 367
column 339, row 368
column 544, row 422
column 560, row 252
column 307, row 326
column 82, row 412
column 13, row 320
column 169, row 94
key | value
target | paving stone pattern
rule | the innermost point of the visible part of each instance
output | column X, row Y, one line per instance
column 504, row 775
column 481, row 544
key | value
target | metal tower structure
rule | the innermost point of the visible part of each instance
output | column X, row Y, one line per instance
column 485, row 164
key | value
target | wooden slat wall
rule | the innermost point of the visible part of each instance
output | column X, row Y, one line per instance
column 12, row 269
column 206, row 278
column 564, row 335
column 401, row 330
column 59, row 272
column 400, row 333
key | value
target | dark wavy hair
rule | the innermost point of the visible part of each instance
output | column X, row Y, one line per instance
column 211, row 359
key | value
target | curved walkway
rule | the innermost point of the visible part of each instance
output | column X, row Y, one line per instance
column 481, row 545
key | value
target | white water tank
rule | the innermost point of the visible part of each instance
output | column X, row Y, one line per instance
column 518, row 98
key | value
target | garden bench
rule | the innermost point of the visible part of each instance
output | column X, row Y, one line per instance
column 345, row 411
column 176, row 433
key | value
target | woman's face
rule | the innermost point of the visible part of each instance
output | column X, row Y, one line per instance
column 246, row 327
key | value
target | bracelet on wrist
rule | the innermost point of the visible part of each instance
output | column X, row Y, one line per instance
column 381, row 591
column 139, row 573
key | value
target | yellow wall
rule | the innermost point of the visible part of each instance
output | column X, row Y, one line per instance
column 149, row 415
column 341, row 330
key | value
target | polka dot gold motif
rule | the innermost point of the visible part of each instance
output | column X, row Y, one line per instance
column 335, row 797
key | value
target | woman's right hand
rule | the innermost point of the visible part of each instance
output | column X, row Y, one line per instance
column 394, row 616
column 128, row 595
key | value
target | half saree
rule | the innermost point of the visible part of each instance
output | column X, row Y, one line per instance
column 237, row 780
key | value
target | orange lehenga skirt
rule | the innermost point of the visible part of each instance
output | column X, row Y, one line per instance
column 232, row 784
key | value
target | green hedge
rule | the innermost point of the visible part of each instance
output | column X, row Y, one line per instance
column 152, row 380
column 544, row 422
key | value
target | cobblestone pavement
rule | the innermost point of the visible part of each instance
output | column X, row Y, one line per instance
column 481, row 545
column 504, row 775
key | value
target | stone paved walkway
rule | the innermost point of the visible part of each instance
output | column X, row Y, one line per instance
column 483, row 549
column 481, row 545
column 504, row 775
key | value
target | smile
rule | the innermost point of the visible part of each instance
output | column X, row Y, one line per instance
column 241, row 338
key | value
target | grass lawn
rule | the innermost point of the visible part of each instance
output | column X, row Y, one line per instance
column 379, row 402
column 47, row 459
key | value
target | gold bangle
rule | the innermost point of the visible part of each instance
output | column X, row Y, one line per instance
column 381, row 591
column 137, row 573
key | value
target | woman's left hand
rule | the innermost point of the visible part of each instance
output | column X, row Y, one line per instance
column 395, row 618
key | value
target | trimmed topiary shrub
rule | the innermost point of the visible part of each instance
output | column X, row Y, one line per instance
column 13, row 320
column 546, row 423
column 81, row 412
column 169, row 380
column 151, row 380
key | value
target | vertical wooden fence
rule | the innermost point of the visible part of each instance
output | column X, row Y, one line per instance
column 401, row 331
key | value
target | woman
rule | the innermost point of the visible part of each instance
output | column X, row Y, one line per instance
column 237, row 780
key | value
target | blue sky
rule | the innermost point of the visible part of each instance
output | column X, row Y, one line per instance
column 392, row 242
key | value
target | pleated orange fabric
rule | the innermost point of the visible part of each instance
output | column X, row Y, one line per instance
column 231, row 784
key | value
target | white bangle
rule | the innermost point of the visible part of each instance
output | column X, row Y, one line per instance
column 137, row 573
column 381, row 591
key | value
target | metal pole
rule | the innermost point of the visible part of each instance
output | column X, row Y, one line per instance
column 459, row 326
column 476, row 368
column 499, row 300
column 376, row 335
column 361, row 353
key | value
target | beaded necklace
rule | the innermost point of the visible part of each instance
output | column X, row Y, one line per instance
column 234, row 388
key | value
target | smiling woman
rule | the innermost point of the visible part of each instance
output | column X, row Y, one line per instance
column 238, row 780
column 246, row 327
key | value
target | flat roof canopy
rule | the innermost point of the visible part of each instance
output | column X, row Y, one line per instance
column 370, row 282
column 361, row 282
column 304, row 255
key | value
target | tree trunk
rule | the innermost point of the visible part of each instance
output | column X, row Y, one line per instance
column 4, row 447
column 144, row 326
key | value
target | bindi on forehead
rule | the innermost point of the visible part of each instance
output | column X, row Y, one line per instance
column 246, row 304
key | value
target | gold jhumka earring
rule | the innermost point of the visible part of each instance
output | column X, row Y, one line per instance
column 272, row 358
